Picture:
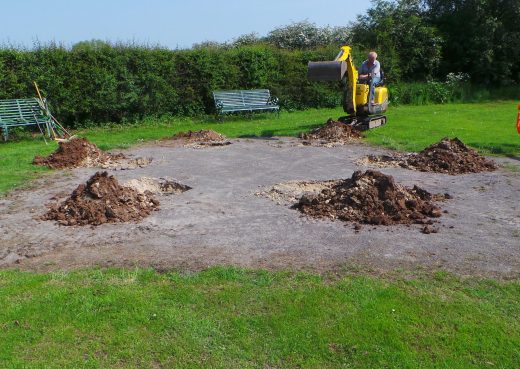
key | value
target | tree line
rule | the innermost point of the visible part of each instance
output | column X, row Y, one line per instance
column 420, row 40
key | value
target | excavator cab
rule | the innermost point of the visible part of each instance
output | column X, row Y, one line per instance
column 362, row 113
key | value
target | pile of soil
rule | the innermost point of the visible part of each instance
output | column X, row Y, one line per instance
column 205, row 135
column 102, row 200
column 373, row 198
column 332, row 132
column 449, row 156
column 76, row 153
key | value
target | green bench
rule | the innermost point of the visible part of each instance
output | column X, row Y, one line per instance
column 244, row 101
column 25, row 112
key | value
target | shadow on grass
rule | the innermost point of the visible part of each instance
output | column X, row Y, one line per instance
column 270, row 133
column 240, row 117
column 510, row 150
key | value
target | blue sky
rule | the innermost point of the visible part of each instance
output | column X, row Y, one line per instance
column 168, row 23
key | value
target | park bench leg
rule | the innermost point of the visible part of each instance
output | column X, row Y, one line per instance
column 48, row 126
column 5, row 133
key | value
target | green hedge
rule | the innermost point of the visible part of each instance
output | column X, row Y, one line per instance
column 99, row 83
column 433, row 92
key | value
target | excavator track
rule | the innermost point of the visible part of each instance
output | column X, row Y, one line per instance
column 364, row 123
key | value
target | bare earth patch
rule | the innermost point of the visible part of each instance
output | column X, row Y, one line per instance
column 157, row 185
column 289, row 193
column 222, row 222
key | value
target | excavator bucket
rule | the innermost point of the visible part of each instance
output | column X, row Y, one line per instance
column 326, row 70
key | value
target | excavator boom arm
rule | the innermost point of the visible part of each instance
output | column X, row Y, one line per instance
column 336, row 71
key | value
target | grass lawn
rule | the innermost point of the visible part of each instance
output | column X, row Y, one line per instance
column 489, row 127
column 231, row 318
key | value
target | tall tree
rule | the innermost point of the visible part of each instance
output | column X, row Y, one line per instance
column 482, row 38
column 409, row 46
column 307, row 35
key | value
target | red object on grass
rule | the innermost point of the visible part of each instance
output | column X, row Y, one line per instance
column 518, row 120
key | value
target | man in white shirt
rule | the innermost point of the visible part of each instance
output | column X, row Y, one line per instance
column 370, row 70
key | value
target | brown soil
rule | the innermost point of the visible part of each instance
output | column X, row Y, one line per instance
column 205, row 135
column 331, row 132
column 372, row 198
column 102, row 200
column 76, row 153
column 449, row 156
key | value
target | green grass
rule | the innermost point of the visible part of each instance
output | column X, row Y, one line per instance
column 16, row 162
column 489, row 127
column 231, row 318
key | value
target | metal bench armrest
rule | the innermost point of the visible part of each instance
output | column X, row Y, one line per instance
column 273, row 100
column 219, row 106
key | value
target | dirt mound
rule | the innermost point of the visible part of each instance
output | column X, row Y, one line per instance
column 76, row 153
column 449, row 156
column 201, row 139
column 102, row 200
column 372, row 198
column 331, row 132
column 157, row 185
column 205, row 135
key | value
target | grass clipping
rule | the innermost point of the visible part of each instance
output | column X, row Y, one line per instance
column 372, row 198
column 102, row 200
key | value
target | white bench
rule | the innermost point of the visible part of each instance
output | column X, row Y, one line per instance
column 244, row 101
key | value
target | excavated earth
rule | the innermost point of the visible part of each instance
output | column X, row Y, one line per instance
column 331, row 134
column 372, row 197
column 201, row 139
column 79, row 152
column 222, row 220
column 449, row 156
column 102, row 200
column 205, row 135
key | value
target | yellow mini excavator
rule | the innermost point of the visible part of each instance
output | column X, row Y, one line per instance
column 362, row 113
